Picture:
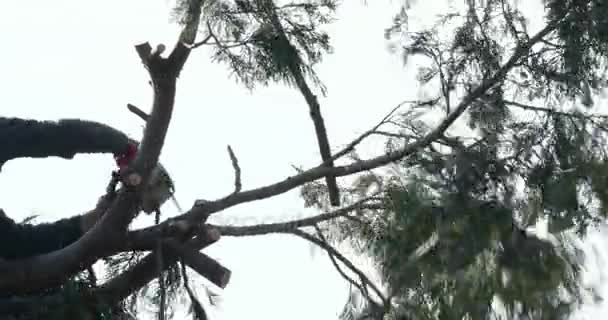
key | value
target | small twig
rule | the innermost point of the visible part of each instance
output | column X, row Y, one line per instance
column 197, row 307
column 144, row 271
column 294, row 66
column 237, row 170
column 327, row 247
column 138, row 112
column 351, row 146
column 350, row 280
column 212, row 35
column 200, row 43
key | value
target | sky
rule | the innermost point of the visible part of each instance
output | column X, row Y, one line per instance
column 75, row 59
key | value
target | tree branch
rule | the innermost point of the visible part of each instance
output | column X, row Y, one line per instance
column 362, row 287
column 200, row 262
column 45, row 270
column 327, row 247
column 237, row 170
column 556, row 112
column 125, row 284
column 282, row 227
column 138, row 112
column 351, row 146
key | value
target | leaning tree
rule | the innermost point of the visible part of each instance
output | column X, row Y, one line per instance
column 446, row 225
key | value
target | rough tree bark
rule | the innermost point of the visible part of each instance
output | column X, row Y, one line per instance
column 45, row 270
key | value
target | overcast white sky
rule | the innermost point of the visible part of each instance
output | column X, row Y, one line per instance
column 67, row 59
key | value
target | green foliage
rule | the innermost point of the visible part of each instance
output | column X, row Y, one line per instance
column 69, row 301
column 261, row 41
column 450, row 242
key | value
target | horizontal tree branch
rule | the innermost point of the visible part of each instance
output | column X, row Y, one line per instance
column 123, row 285
column 351, row 146
column 53, row 268
column 554, row 111
column 282, row 227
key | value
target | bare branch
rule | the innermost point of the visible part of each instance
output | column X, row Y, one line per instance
column 237, row 170
column 351, row 146
column 556, row 112
column 282, row 227
column 331, row 250
column 45, row 270
column 138, row 112
column 348, row 279
column 201, row 263
column 143, row 51
column 201, row 43
column 295, row 69
column 63, row 138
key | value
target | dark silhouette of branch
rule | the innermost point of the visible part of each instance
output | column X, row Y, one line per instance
column 237, row 170
column 362, row 287
column 282, row 227
column 45, row 270
column 123, row 285
column 200, row 262
column 335, row 253
column 197, row 306
column 138, row 112
column 351, row 146
column 201, row 43
column 295, row 69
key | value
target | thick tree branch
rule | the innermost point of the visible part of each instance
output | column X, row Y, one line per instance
column 136, row 277
column 200, row 262
column 145, row 239
column 46, row 270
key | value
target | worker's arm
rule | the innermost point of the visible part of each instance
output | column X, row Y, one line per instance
column 25, row 240
column 24, row 138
